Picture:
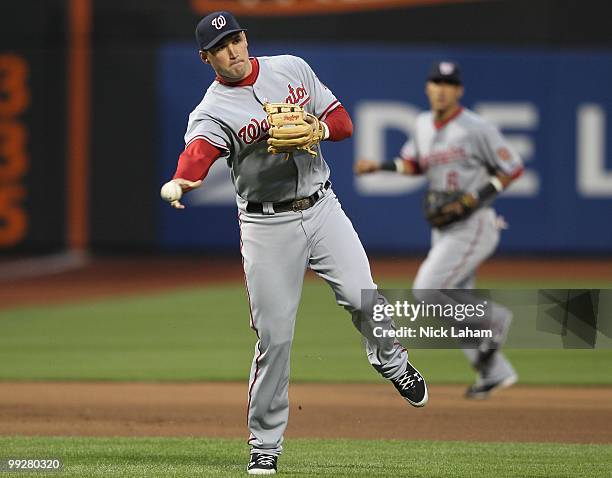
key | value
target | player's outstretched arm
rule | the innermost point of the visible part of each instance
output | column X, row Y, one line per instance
column 367, row 166
column 193, row 166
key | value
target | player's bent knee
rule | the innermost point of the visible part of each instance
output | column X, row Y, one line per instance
column 357, row 301
column 428, row 283
column 429, row 296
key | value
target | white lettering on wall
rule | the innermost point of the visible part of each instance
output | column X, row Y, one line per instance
column 591, row 176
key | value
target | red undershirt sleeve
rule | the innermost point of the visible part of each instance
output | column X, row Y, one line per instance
column 339, row 124
column 196, row 160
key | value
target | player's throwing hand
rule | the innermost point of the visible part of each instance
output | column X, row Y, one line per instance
column 185, row 186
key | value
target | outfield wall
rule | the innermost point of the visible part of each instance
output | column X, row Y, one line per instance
column 540, row 70
column 552, row 106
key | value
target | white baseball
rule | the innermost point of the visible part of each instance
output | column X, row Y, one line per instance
column 171, row 191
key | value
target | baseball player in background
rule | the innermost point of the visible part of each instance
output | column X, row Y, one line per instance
column 467, row 163
column 289, row 216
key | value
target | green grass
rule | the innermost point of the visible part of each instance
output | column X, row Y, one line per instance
column 195, row 457
column 203, row 334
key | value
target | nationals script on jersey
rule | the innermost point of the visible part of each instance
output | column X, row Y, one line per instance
column 232, row 118
column 460, row 154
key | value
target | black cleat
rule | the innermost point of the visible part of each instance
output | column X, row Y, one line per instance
column 411, row 385
column 262, row 464
column 483, row 391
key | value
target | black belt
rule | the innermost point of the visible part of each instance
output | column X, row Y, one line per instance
column 295, row 205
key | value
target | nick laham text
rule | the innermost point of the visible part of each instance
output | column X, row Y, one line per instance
column 434, row 332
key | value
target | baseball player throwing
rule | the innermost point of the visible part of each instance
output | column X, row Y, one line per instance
column 266, row 117
column 467, row 163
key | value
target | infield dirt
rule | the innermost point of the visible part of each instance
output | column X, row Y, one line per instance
column 368, row 411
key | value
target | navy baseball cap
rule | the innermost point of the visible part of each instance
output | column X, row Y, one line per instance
column 446, row 71
column 214, row 27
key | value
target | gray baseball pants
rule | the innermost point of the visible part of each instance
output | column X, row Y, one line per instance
column 276, row 250
column 455, row 254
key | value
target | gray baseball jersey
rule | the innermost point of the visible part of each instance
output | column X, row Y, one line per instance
column 277, row 247
column 462, row 154
column 234, row 121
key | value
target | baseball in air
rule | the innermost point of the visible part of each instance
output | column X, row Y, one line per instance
column 171, row 191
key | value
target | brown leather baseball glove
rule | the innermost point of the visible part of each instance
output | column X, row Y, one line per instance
column 292, row 129
column 442, row 208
